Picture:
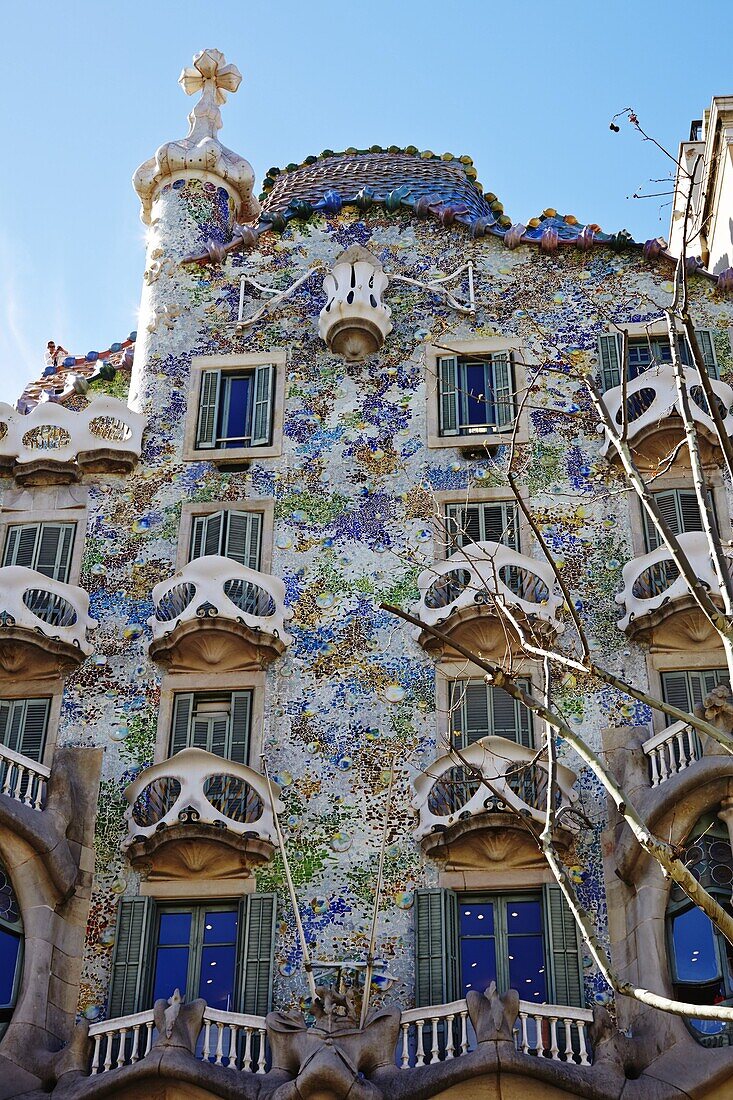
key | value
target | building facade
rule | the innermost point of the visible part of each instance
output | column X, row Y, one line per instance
column 208, row 708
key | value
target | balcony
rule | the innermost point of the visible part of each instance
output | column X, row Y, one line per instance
column 463, row 596
column 44, row 625
column 671, row 751
column 198, row 814
column 658, row 606
column 23, row 779
column 655, row 419
column 218, row 614
column 466, row 821
column 53, row 444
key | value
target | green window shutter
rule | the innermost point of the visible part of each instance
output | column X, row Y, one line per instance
column 243, row 538
column 181, row 725
column 462, row 525
column 34, row 723
column 610, row 349
column 258, row 918
column 676, row 692
column 448, row 397
column 507, row 717
column 707, row 349
column 668, row 506
column 436, row 947
column 474, row 713
column 712, row 677
column 689, row 509
column 129, row 964
column 241, row 716
column 198, row 533
column 218, row 737
column 502, row 373
column 264, row 377
column 498, row 521
column 208, row 408
column 15, row 724
column 6, row 708
column 20, row 547
column 564, row 957
column 200, row 734
column 53, row 550
column 206, row 535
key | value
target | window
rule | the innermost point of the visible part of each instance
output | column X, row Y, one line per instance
column 221, row 951
column 648, row 351
column 11, row 948
column 466, row 941
column 23, row 726
column 480, row 710
column 45, row 547
column 687, row 688
column 235, row 408
column 218, row 722
column 235, row 535
column 484, row 521
column 476, row 394
column 701, row 959
column 681, row 511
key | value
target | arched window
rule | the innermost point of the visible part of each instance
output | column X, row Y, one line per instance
column 701, row 959
column 11, row 948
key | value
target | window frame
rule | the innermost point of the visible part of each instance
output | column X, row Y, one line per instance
column 665, row 483
column 452, row 547
column 195, row 948
column 233, row 365
column 501, row 899
column 453, row 686
column 26, row 699
column 515, row 350
column 198, row 697
column 654, row 332
column 191, row 511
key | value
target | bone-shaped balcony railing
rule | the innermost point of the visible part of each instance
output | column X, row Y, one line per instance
column 31, row 601
column 56, row 433
column 492, row 574
column 651, row 397
column 197, row 786
column 654, row 579
column 516, row 782
column 216, row 587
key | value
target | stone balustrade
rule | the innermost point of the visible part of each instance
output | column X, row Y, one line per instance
column 651, row 398
column 54, row 442
column 653, row 582
column 671, row 751
column 22, row 778
column 438, row 1033
column 43, row 623
column 450, row 789
column 197, row 787
column 212, row 595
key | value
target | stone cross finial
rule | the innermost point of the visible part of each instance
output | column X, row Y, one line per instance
column 200, row 154
column 211, row 76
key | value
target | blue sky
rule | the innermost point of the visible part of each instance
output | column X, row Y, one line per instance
column 527, row 89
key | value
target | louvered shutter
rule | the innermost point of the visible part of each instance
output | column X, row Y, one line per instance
column 15, row 725
column 509, row 718
column 472, row 716
column 448, row 395
column 689, row 509
column 240, row 726
column 712, row 677
column 707, row 349
column 243, row 538
column 436, row 947
column 667, row 504
column 20, row 547
column 212, row 534
column 200, row 733
column 6, row 708
column 503, row 387
column 462, row 524
column 498, row 522
column 182, row 709
column 53, row 550
column 676, row 692
column 129, row 966
column 34, row 722
column 258, row 914
column 198, row 533
column 610, row 350
column 565, row 964
column 208, row 408
column 262, row 404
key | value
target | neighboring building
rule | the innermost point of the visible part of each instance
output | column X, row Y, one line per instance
column 193, row 648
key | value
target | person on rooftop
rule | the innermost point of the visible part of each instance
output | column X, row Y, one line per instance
column 55, row 355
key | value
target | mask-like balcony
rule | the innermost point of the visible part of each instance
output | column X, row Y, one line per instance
column 216, row 613
column 462, row 818
column 654, row 417
column 53, row 444
column 198, row 814
column 44, row 625
column 658, row 606
column 463, row 596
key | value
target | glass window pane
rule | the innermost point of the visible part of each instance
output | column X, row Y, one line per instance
column 527, row 967
column 523, row 916
column 235, row 427
column 694, row 947
column 171, row 971
column 478, row 964
column 477, row 920
column 220, row 927
column 174, row 928
column 9, row 950
column 477, row 398
column 216, row 981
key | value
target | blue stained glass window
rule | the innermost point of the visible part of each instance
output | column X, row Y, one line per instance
column 196, row 952
column 11, row 948
column 694, row 947
column 234, row 429
column 502, row 940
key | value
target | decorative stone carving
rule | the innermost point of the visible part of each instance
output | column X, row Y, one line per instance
column 200, row 154
column 493, row 1016
column 354, row 322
